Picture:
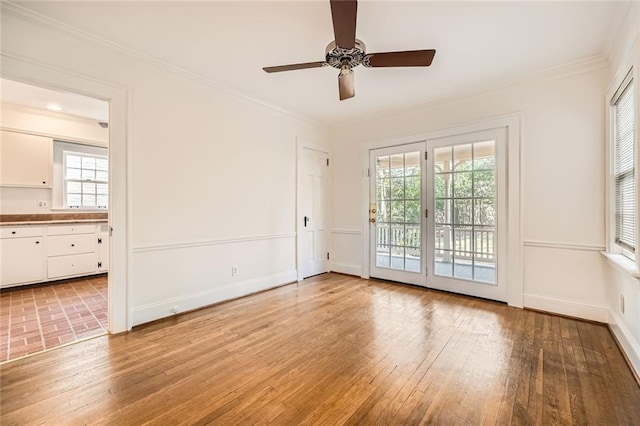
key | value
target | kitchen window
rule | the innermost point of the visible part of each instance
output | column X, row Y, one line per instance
column 80, row 176
column 86, row 180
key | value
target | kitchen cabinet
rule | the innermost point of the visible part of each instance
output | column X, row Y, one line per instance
column 72, row 250
column 25, row 160
column 32, row 254
column 21, row 255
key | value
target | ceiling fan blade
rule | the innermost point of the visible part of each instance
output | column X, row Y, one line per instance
column 346, row 86
column 295, row 66
column 409, row 58
column 344, row 14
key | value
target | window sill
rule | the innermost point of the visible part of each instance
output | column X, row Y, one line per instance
column 74, row 210
column 622, row 263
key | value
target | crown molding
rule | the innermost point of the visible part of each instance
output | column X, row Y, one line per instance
column 44, row 112
column 570, row 69
column 20, row 12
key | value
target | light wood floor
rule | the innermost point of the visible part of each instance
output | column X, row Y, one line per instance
column 334, row 350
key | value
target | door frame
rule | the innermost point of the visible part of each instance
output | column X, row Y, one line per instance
column 303, row 143
column 513, row 125
column 33, row 72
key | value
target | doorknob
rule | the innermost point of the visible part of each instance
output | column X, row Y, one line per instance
column 372, row 212
column 306, row 219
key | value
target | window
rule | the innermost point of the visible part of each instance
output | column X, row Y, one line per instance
column 86, row 180
column 624, row 124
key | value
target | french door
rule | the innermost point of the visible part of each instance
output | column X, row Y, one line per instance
column 396, row 214
column 440, row 213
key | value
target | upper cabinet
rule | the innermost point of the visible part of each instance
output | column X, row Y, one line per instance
column 25, row 160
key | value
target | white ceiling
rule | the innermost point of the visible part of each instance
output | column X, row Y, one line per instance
column 39, row 98
column 477, row 43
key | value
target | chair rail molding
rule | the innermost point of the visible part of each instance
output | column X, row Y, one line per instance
column 214, row 242
column 346, row 231
column 563, row 245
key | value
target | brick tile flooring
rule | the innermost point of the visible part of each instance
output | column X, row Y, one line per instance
column 36, row 318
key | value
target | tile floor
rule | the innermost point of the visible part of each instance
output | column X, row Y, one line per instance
column 36, row 318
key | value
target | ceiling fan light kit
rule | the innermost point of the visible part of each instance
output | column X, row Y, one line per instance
column 347, row 52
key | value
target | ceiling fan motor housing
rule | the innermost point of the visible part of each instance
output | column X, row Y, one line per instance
column 337, row 56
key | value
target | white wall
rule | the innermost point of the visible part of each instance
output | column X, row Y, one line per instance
column 562, row 171
column 620, row 283
column 45, row 123
column 212, row 175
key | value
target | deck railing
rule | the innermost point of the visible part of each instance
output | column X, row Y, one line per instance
column 483, row 248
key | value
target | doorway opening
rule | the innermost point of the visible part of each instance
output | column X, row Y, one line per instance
column 54, row 219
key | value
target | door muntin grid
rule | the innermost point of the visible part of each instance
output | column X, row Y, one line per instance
column 465, row 214
column 398, row 207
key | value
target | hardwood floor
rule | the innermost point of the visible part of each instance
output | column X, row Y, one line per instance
column 333, row 350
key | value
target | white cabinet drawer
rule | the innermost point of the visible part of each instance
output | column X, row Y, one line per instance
column 61, row 245
column 77, row 264
column 20, row 231
column 72, row 229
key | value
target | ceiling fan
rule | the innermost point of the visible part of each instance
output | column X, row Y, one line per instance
column 347, row 52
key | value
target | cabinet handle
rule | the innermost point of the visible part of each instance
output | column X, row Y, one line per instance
column 44, row 182
column 73, row 245
column 37, row 242
column 13, row 232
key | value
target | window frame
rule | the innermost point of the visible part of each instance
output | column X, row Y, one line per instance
column 65, row 180
column 628, row 80
column 58, row 196
column 627, row 72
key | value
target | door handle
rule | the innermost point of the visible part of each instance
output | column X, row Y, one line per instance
column 306, row 219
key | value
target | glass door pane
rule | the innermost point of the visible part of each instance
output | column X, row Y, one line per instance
column 465, row 211
column 398, row 232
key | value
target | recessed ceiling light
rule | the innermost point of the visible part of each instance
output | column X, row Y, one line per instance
column 54, row 107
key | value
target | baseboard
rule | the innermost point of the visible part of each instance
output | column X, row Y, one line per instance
column 567, row 307
column 169, row 307
column 345, row 269
column 629, row 346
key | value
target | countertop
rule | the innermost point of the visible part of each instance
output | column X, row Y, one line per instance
column 51, row 218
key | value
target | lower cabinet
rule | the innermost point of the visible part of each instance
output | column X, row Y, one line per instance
column 21, row 260
column 31, row 254
column 71, row 250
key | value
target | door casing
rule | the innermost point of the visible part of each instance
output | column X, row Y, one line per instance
column 512, row 123
column 302, row 144
column 33, row 72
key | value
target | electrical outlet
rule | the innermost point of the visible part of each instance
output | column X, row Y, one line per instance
column 622, row 303
column 42, row 204
column 234, row 271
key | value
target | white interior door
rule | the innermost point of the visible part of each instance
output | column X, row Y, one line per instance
column 397, row 214
column 466, row 198
column 313, row 212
